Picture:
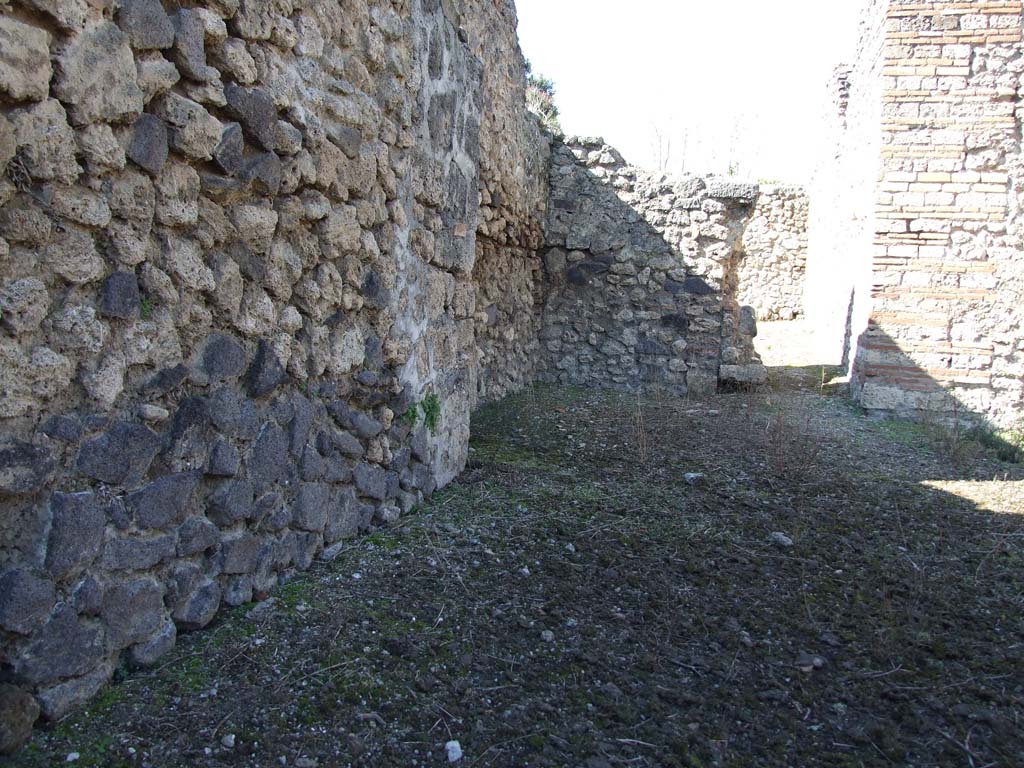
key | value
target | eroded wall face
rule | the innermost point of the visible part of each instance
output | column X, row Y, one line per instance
column 944, row 330
column 773, row 268
column 643, row 274
column 237, row 245
column 513, row 202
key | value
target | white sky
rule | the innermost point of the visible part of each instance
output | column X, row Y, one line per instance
column 739, row 83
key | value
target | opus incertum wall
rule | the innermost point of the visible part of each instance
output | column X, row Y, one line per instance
column 245, row 247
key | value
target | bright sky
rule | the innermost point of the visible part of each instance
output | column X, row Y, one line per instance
column 739, row 83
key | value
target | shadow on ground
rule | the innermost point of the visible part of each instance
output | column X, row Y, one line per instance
column 758, row 580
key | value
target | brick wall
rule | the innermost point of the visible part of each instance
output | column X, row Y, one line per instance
column 944, row 327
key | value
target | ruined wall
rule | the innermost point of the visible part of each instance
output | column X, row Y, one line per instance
column 643, row 273
column 774, row 263
column 841, row 226
column 944, row 325
column 237, row 245
column 514, row 159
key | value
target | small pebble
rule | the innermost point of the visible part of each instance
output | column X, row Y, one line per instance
column 780, row 540
column 693, row 478
column 547, row 636
column 228, row 741
column 72, row 757
column 454, row 751
column 524, row 571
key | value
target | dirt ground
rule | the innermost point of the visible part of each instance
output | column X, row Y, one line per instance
column 765, row 579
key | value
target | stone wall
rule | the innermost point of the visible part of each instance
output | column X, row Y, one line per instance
column 514, row 160
column 943, row 326
column 774, row 262
column 237, row 247
column 643, row 273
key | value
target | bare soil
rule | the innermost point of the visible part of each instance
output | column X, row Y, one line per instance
column 602, row 587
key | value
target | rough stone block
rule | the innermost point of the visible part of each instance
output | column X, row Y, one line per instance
column 146, row 24
column 96, row 77
column 66, row 646
column 120, row 456
column 78, row 521
column 24, row 60
column 132, row 611
column 25, row 600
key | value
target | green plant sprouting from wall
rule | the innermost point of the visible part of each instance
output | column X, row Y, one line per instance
column 429, row 407
column 540, row 100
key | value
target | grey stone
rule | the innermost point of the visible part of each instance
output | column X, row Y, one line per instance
column 25, row 600
column 366, row 427
column 148, row 653
column 222, row 358
column 268, row 462
column 263, row 172
column 231, row 502
column 400, row 459
column 266, row 373
column 132, row 611
column 96, row 77
column 67, row 429
column 311, row 506
column 18, row 712
column 166, row 380
column 349, row 140
column 229, row 152
column 58, row 700
column 24, row 467
column 195, row 535
column 199, row 606
column 120, row 297
column 273, row 512
column 343, row 516
column 146, row 24
column 375, row 482
column 233, row 414
column 751, row 374
column 64, row 647
column 238, row 590
column 148, row 147
column 348, row 444
column 120, row 456
column 224, row 460
column 288, row 138
column 306, row 547
column 420, row 445
column 312, row 465
column 87, row 596
column 76, row 532
column 239, row 553
column 24, row 60
column 697, row 286
column 254, row 108
column 190, row 46
column 135, row 554
column 8, row 143
column 301, row 423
